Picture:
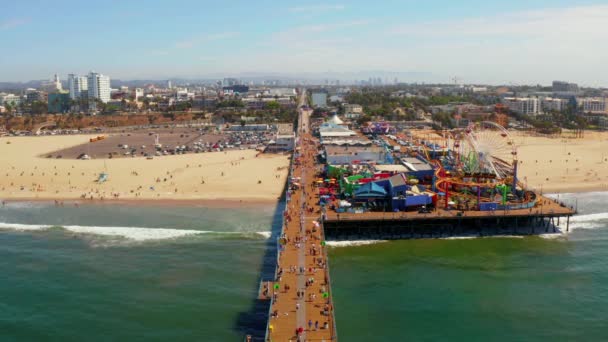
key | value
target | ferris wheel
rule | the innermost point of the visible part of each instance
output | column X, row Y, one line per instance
column 488, row 148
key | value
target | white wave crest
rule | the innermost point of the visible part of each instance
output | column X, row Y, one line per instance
column 264, row 234
column 470, row 237
column 131, row 233
column 353, row 243
column 22, row 227
column 553, row 236
column 136, row 234
column 589, row 217
column 586, row 225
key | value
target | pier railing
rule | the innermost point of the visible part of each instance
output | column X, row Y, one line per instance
column 334, row 330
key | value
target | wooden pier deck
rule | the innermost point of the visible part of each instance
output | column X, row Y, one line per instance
column 546, row 208
column 544, row 218
column 301, row 297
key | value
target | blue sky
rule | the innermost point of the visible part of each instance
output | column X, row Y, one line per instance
column 478, row 41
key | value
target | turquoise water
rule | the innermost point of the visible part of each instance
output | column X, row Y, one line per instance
column 494, row 289
column 57, row 285
column 84, row 282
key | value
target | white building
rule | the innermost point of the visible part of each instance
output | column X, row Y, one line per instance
column 554, row 104
column 474, row 89
column 281, row 92
column 138, row 93
column 57, row 83
column 53, row 85
column 352, row 111
column 594, row 105
column 9, row 99
column 522, row 105
column 78, row 86
column 353, row 108
column 99, row 87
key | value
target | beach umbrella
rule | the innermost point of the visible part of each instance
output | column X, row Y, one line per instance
column 276, row 286
column 325, row 294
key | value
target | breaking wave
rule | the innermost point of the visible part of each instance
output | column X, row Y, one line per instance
column 353, row 243
column 138, row 234
column 589, row 217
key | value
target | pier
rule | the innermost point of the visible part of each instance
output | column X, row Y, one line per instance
column 301, row 307
column 301, row 300
column 545, row 218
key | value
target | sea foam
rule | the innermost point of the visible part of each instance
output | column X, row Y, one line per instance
column 131, row 233
column 264, row 234
column 352, row 243
column 589, row 217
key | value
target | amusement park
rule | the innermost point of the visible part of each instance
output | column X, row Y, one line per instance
column 469, row 169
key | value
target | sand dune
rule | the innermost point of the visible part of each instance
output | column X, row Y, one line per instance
column 232, row 175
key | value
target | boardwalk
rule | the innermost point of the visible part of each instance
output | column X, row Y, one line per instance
column 546, row 208
column 302, row 306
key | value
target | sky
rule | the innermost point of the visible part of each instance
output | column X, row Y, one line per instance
column 490, row 42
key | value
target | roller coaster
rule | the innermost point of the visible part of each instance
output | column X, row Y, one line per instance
column 481, row 168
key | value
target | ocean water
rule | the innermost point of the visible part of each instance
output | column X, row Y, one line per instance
column 115, row 273
column 552, row 288
column 130, row 273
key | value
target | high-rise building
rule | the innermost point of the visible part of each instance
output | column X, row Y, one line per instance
column 57, row 83
column 99, row 87
column 78, row 86
column 319, row 99
column 560, row 87
column 229, row 82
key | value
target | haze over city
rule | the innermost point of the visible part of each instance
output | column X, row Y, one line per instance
column 522, row 42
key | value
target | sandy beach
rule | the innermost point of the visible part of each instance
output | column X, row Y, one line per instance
column 231, row 176
column 563, row 165
column 556, row 164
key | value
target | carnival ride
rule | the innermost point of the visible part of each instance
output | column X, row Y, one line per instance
column 481, row 168
column 475, row 168
column 487, row 147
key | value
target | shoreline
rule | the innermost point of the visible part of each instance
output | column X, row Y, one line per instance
column 577, row 189
column 219, row 179
column 245, row 202
column 248, row 203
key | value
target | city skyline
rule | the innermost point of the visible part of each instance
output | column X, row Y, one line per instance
column 477, row 42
